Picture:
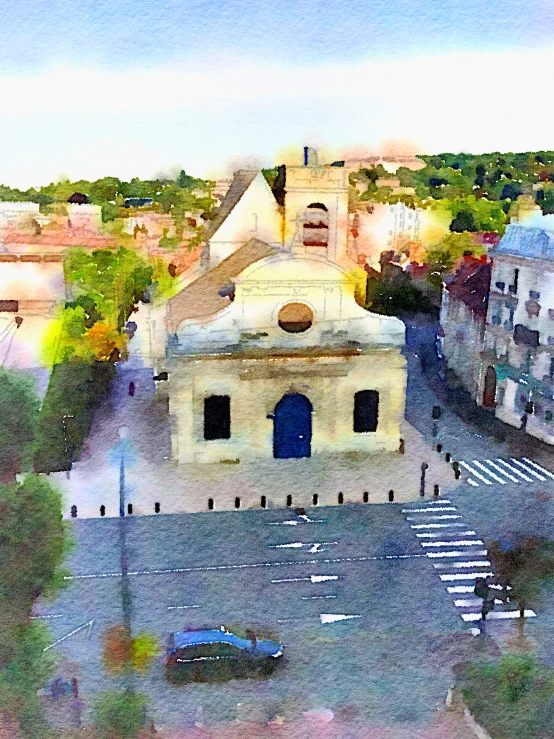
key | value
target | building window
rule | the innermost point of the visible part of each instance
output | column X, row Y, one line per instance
column 366, row 411
column 316, row 225
column 217, row 417
column 294, row 318
column 9, row 306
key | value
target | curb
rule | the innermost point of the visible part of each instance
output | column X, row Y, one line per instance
column 455, row 702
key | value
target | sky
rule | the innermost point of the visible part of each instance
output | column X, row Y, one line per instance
column 137, row 88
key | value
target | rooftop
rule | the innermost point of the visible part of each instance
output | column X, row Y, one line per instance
column 526, row 242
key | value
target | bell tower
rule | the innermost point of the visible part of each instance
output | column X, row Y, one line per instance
column 316, row 209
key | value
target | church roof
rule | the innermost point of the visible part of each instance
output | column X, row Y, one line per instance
column 202, row 298
column 241, row 182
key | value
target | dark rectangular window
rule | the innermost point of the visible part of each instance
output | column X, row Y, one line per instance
column 217, row 417
column 9, row 306
column 524, row 335
column 366, row 410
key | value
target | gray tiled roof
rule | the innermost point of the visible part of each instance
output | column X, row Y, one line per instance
column 522, row 241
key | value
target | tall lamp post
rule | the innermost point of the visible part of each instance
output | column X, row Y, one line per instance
column 125, row 589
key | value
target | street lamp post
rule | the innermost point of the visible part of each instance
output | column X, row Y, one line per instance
column 67, row 453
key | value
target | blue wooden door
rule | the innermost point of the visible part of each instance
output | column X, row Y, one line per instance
column 292, row 427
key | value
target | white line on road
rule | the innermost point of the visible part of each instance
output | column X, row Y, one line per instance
column 427, row 535
column 311, row 578
column 476, row 474
column 317, row 597
column 470, row 588
column 180, row 608
column 528, row 469
column 438, row 502
column 496, row 616
column 299, row 545
column 295, row 523
column 426, row 510
column 503, row 472
column 473, row 603
column 467, row 565
column 434, row 518
column 489, row 473
column 71, row 633
column 472, row 482
column 538, row 467
column 461, row 543
column 331, row 618
column 473, row 553
column 514, row 470
column 435, row 525
column 465, row 576
column 256, row 565
column 58, row 615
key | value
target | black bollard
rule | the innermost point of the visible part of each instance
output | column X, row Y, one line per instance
column 439, row 448
column 391, row 496
column 436, row 491
column 448, row 456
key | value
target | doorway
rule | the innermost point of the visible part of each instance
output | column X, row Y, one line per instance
column 489, row 392
column 292, row 427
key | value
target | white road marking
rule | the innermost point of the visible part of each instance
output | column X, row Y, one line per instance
column 88, row 625
column 470, row 588
column 438, row 502
column 256, row 565
column 476, row 474
column 434, row 518
column 460, row 543
column 180, row 608
column 435, row 525
column 426, row 510
column 497, row 615
column 528, row 469
column 58, row 615
column 317, row 597
column 538, row 467
column 296, row 523
column 472, row 482
column 463, row 565
column 314, row 546
column 446, row 533
column 489, row 473
column 473, row 603
column 311, row 578
column 513, row 469
column 465, row 576
column 480, row 552
column 331, row 618
column 506, row 474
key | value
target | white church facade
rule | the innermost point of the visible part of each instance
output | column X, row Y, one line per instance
column 268, row 354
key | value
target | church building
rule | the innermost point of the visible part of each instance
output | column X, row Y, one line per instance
column 268, row 354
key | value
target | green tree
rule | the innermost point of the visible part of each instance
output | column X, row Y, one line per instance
column 18, row 409
column 119, row 715
column 525, row 565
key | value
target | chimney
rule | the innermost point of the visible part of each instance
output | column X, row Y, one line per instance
column 306, row 150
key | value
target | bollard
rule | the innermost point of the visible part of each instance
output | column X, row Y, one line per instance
column 439, row 448
column 289, row 501
column 73, row 511
column 130, row 509
column 448, row 456
column 424, row 467
column 341, row 499
column 156, row 507
column 401, row 448
column 366, row 497
column 102, row 510
column 210, row 504
column 391, row 496
column 456, row 468
column 263, row 501
column 237, row 502
column 436, row 491
column 315, row 499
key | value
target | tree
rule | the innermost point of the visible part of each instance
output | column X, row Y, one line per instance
column 18, row 409
column 524, row 565
column 32, row 547
column 119, row 714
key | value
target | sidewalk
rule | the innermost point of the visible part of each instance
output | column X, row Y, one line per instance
column 94, row 481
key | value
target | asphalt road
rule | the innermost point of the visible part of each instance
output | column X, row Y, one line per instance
column 246, row 568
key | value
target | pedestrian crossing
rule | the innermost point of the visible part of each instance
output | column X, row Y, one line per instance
column 460, row 557
column 503, row 471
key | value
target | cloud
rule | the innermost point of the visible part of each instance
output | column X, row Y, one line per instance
column 88, row 122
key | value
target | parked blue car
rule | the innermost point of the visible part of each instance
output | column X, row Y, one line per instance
column 205, row 655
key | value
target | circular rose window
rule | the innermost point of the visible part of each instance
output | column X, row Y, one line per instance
column 295, row 318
